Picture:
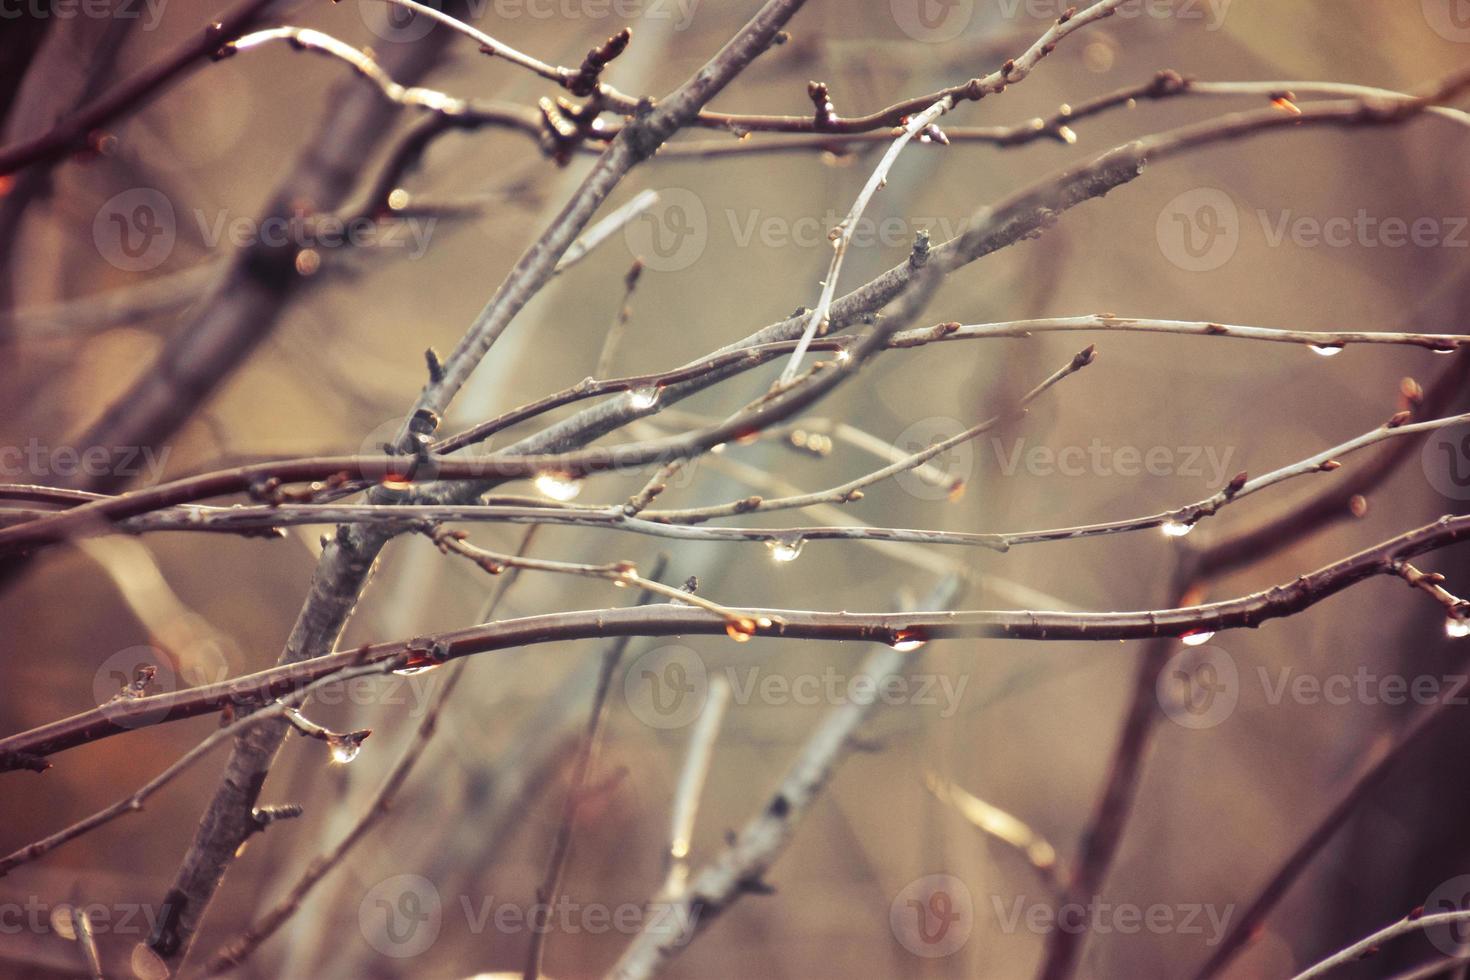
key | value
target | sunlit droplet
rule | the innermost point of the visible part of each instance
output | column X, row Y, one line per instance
column 785, row 550
column 344, row 748
column 1327, row 350
column 906, row 641
column 420, row 669
column 308, row 262
column 1175, row 529
column 62, row 923
column 740, row 630
column 1067, row 134
column 397, row 199
column 1197, row 638
column 644, row 398
column 559, row 486
column 1456, row 627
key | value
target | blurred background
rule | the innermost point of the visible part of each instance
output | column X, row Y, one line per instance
column 736, row 242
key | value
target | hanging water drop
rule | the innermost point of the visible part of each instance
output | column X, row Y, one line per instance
column 907, row 641
column 418, row 669
column 345, row 748
column 559, row 486
column 740, row 630
column 1197, row 638
column 1456, row 627
column 785, row 550
column 1175, row 529
column 643, row 399
column 1327, row 350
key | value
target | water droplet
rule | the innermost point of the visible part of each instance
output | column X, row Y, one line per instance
column 643, row 398
column 843, row 356
column 1197, row 638
column 559, row 486
column 740, row 630
column 1327, row 350
column 785, row 550
column 1456, row 627
column 420, row 669
column 398, row 199
column 345, row 748
column 62, row 923
column 1175, row 529
column 906, row 641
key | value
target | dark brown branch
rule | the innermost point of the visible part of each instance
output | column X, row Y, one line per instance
column 1243, row 612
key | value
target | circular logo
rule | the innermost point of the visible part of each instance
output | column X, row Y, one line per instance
column 670, row 235
column 1453, row 895
column 401, row 916
column 129, row 675
column 1450, row 19
column 932, row 21
column 666, row 687
column 944, row 474
column 1199, row 230
column 1446, row 461
column 1199, row 687
column 135, row 230
column 381, row 440
column 396, row 24
column 933, row 916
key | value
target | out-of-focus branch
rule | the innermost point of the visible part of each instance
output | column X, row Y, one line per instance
column 740, row 868
column 73, row 133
